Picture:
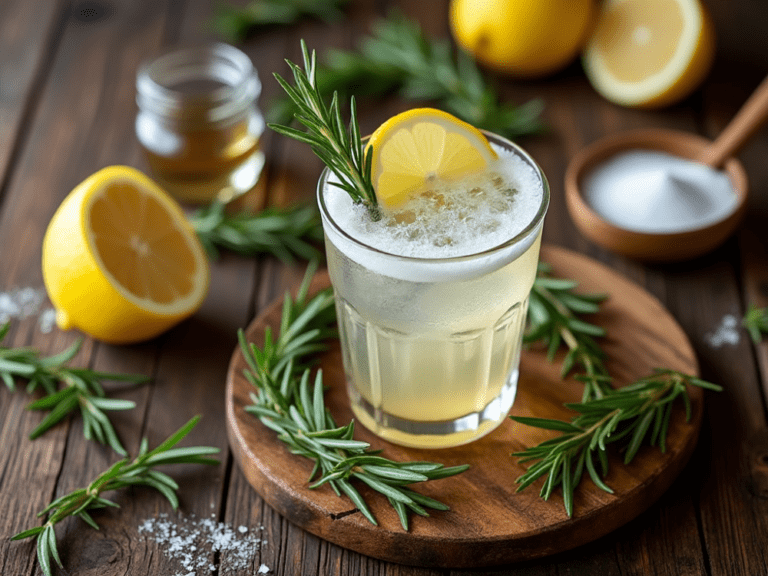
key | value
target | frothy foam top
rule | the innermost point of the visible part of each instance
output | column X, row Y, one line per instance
column 445, row 220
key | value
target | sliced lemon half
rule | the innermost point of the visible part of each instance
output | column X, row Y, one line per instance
column 120, row 261
column 416, row 147
column 649, row 53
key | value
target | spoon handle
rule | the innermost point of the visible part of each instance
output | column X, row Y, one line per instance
column 740, row 129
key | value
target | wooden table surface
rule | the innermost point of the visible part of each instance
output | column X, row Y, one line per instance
column 67, row 71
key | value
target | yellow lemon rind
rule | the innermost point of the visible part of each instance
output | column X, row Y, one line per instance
column 81, row 288
column 526, row 39
column 678, row 79
column 408, row 121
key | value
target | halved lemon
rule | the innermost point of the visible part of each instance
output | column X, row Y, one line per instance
column 649, row 53
column 418, row 146
column 120, row 260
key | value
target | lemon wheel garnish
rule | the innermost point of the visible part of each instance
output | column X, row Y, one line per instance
column 649, row 53
column 120, row 260
column 421, row 145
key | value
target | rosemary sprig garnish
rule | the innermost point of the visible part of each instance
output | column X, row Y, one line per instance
column 235, row 22
column 81, row 388
column 756, row 322
column 287, row 403
column 633, row 414
column 287, row 233
column 341, row 151
column 553, row 318
column 139, row 472
column 399, row 57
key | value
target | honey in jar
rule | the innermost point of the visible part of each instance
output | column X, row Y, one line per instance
column 198, row 122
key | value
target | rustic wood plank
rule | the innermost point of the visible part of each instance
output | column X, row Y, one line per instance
column 51, row 137
column 733, row 499
column 188, row 364
column 28, row 36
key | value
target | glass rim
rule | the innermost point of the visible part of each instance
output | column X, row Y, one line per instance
column 525, row 233
column 239, row 88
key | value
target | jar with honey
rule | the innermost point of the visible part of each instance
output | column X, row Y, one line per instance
column 198, row 122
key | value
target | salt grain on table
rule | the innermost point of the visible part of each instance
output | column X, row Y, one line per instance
column 726, row 333
column 192, row 542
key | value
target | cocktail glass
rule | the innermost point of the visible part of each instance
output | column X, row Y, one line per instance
column 431, row 346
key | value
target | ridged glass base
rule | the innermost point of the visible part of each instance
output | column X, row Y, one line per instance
column 435, row 434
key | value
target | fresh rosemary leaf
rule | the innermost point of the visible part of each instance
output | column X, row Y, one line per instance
column 756, row 322
column 340, row 150
column 553, row 319
column 636, row 414
column 81, row 389
column 287, row 233
column 284, row 402
column 398, row 56
column 234, row 23
column 137, row 472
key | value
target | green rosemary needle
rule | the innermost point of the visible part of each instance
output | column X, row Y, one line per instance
column 286, row 402
column 286, row 233
column 235, row 22
column 399, row 57
column 633, row 414
column 756, row 322
column 341, row 150
column 139, row 472
column 553, row 318
column 81, row 389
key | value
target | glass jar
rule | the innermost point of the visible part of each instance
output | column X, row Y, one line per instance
column 198, row 122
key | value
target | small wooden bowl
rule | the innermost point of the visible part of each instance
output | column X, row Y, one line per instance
column 650, row 247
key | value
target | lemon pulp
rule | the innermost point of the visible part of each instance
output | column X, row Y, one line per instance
column 649, row 53
column 120, row 260
column 421, row 145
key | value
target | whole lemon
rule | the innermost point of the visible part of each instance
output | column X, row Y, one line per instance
column 525, row 38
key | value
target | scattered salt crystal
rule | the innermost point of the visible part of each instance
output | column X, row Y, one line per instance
column 726, row 333
column 193, row 542
column 46, row 320
column 263, row 569
column 20, row 303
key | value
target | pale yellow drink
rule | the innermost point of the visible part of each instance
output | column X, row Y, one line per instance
column 431, row 345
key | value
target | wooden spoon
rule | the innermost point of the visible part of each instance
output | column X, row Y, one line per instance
column 740, row 129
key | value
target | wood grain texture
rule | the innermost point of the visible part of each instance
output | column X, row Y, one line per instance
column 488, row 523
column 67, row 109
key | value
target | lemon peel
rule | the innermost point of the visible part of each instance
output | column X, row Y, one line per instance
column 419, row 145
column 649, row 53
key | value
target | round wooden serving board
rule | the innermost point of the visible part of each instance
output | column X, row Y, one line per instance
column 488, row 523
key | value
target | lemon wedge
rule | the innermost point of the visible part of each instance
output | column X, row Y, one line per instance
column 414, row 148
column 120, row 260
column 649, row 53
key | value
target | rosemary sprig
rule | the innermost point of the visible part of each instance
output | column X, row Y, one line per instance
column 398, row 56
column 340, row 150
column 633, row 414
column 553, row 318
column 287, row 403
column 138, row 472
column 287, row 233
column 235, row 22
column 756, row 322
column 81, row 388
